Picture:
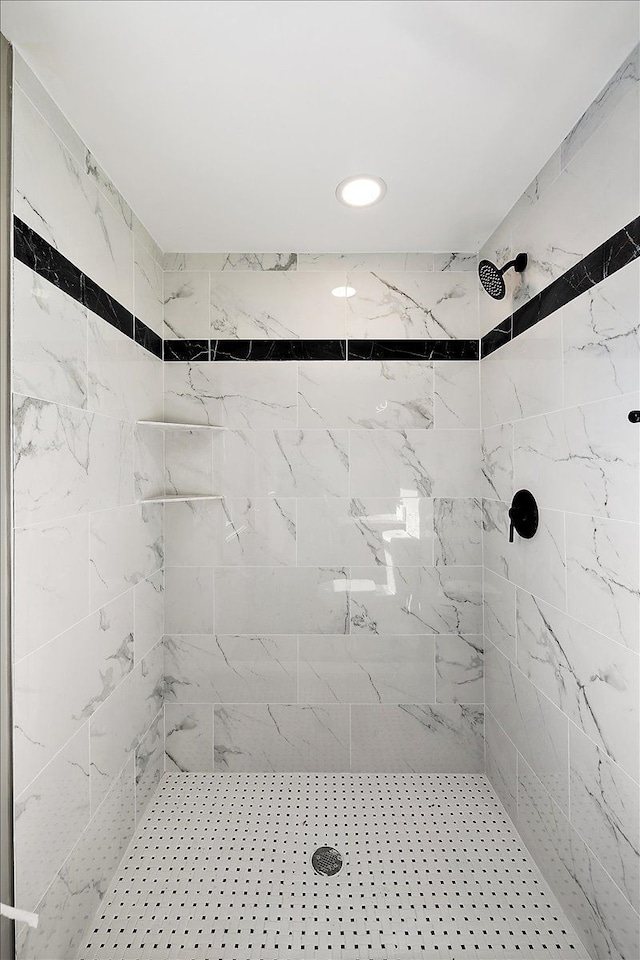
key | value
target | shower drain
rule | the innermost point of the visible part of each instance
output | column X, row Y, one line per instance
column 326, row 861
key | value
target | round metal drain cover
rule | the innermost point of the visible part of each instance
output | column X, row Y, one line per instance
column 326, row 861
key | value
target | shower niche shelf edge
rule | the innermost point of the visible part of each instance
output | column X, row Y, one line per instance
column 181, row 498
column 168, row 425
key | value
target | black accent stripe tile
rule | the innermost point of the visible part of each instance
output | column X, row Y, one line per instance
column 496, row 338
column 413, row 349
column 148, row 338
column 104, row 305
column 45, row 260
column 612, row 255
column 278, row 350
column 184, row 350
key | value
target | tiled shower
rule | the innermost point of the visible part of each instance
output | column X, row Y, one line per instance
column 262, row 561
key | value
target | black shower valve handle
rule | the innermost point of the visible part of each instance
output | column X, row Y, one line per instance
column 634, row 416
column 523, row 515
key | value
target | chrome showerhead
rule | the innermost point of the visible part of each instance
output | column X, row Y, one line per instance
column 492, row 278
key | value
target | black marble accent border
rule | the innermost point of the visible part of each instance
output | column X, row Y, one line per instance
column 278, row 350
column 413, row 349
column 147, row 338
column 41, row 257
column 495, row 338
column 185, row 350
column 46, row 261
column 616, row 252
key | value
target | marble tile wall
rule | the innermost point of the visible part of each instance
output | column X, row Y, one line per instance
column 335, row 587
column 89, row 559
column 562, row 611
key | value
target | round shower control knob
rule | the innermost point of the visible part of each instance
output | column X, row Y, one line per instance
column 523, row 515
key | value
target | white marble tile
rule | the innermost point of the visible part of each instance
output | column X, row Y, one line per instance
column 281, row 737
column 538, row 564
column 110, row 463
column 51, row 581
column 107, row 187
column 391, row 305
column 281, row 600
column 601, row 339
column 624, row 80
column 51, row 460
column 410, row 600
column 256, row 395
column 276, row 304
column 283, row 463
column 560, row 229
column 217, row 262
column 366, row 261
column 537, row 728
column 188, row 600
column 366, row 669
column 457, row 525
column 363, row 393
column 601, row 915
column 459, row 669
column 122, row 720
column 125, row 380
column 149, row 764
column 231, row 669
column 149, row 462
column 68, row 461
column 337, row 531
column 231, row 532
column 605, row 809
column 149, row 601
column 147, row 288
column 524, row 377
column 593, row 680
column 455, row 262
column 456, row 395
column 59, row 686
column 58, row 796
column 603, row 576
column 126, row 547
column 188, row 461
column 73, row 898
column 56, row 198
column 538, row 186
column 417, row 738
column 497, row 462
column 501, row 764
column 49, row 340
column 584, row 459
column 415, row 463
column 186, row 305
column 188, row 737
column 500, row 613
column 142, row 235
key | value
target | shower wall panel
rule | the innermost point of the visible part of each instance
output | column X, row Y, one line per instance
column 325, row 613
column 562, row 611
column 88, row 586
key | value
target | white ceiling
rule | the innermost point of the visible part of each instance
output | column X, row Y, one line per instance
column 227, row 124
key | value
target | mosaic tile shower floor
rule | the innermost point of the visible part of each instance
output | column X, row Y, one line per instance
column 220, row 869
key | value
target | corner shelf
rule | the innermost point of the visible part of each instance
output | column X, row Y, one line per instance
column 181, row 497
column 168, row 425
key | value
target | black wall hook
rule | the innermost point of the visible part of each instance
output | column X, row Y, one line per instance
column 523, row 515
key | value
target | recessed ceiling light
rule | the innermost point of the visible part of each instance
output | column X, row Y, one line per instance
column 361, row 191
column 343, row 292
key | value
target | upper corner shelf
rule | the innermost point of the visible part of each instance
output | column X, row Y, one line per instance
column 181, row 498
column 168, row 425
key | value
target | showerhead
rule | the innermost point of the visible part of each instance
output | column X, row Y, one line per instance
column 492, row 278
